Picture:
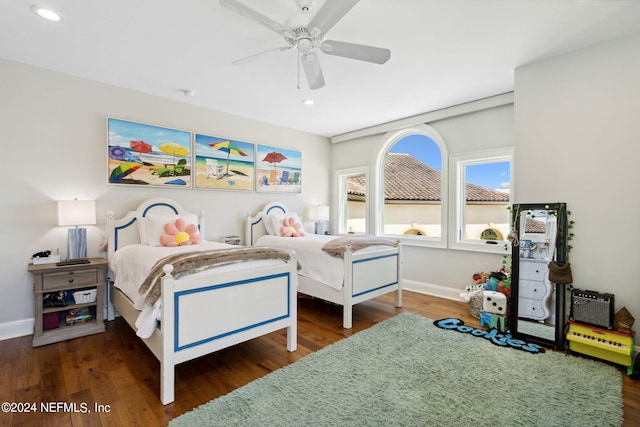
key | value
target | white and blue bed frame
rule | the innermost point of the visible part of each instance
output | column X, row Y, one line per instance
column 204, row 314
column 367, row 275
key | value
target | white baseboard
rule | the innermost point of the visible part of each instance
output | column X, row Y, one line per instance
column 16, row 329
column 431, row 289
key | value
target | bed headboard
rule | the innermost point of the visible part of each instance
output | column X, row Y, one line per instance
column 124, row 231
column 255, row 224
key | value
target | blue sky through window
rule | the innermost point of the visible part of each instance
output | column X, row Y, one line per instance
column 423, row 148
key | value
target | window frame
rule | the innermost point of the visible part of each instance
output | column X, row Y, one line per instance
column 340, row 179
column 389, row 140
column 458, row 163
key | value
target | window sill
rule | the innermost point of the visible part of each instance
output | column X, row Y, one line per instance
column 419, row 242
column 478, row 246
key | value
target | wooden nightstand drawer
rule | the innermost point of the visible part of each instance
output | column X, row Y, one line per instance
column 51, row 281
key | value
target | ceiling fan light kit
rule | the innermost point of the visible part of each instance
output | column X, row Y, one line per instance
column 305, row 33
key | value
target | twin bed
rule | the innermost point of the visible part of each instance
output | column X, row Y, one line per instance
column 195, row 305
column 199, row 313
column 354, row 277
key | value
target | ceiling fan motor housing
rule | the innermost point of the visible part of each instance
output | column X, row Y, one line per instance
column 299, row 36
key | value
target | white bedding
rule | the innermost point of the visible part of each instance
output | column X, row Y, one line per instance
column 315, row 263
column 131, row 264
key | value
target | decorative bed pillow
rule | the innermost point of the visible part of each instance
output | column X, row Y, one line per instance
column 291, row 228
column 180, row 234
column 156, row 225
column 277, row 221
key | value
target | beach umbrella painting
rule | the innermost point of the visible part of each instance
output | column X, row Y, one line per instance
column 274, row 157
column 173, row 148
column 117, row 153
column 123, row 169
column 229, row 148
column 140, row 146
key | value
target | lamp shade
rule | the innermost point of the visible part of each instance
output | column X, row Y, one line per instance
column 318, row 213
column 76, row 212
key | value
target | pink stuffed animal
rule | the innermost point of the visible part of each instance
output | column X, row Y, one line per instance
column 291, row 228
column 180, row 234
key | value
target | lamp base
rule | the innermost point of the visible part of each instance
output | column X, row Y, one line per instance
column 77, row 243
column 319, row 227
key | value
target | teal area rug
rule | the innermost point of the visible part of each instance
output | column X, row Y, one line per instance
column 407, row 372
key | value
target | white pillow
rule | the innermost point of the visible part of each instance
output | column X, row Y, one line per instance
column 156, row 223
column 267, row 225
column 277, row 221
column 142, row 230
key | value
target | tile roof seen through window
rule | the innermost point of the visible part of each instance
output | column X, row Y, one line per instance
column 409, row 179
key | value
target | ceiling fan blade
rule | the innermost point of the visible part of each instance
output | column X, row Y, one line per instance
column 258, row 55
column 239, row 8
column 329, row 14
column 311, row 66
column 361, row 52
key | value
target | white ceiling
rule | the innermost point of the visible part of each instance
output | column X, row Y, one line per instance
column 443, row 52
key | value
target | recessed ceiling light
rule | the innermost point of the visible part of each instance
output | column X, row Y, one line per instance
column 308, row 101
column 47, row 14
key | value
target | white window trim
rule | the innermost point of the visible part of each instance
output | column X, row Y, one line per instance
column 340, row 180
column 377, row 201
column 457, row 196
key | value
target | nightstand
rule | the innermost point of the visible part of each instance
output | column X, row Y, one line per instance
column 68, row 300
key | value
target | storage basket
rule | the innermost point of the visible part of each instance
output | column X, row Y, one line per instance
column 83, row 297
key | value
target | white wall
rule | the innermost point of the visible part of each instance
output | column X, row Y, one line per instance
column 441, row 272
column 578, row 141
column 53, row 141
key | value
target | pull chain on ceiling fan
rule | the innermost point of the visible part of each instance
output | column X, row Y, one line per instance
column 306, row 33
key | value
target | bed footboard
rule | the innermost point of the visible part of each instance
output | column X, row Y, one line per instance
column 369, row 275
column 201, row 315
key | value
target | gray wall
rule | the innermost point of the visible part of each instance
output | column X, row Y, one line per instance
column 578, row 141
column 53, row 139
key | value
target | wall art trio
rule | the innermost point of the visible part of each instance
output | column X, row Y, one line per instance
column 142, row 154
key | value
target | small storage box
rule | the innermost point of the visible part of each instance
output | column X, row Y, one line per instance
column 86, row 296
column 50, row 321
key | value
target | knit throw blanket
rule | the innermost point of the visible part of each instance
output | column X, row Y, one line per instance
column 195, row 262
column 338, row 246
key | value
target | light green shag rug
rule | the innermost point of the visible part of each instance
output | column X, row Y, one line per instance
column 407, row 372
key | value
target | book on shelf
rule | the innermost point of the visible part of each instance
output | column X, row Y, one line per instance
column 78, row 316
column 231, row 240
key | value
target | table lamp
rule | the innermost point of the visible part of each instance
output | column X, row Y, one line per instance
column 76, row 213
column 319, row 214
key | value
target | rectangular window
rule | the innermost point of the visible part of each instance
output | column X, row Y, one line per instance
column 483, row 185
column 352, row 201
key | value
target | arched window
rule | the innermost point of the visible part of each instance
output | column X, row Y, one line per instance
column 411, row 181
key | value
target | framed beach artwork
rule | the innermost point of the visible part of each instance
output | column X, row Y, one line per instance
column 141, row 154
column 278, row 170
column 224, row 164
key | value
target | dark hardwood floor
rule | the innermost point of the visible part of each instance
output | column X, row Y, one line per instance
column 115, row 371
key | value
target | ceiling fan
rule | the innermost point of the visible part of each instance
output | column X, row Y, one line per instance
column 306, row 33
